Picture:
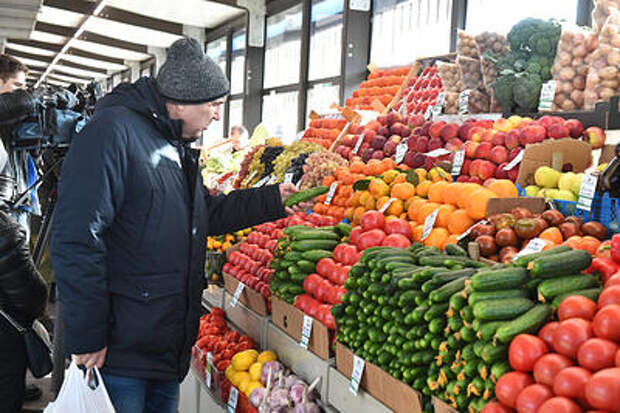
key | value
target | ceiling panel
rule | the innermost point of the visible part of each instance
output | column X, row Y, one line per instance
column 32, row 62
column 130, row 33
column 108, row 50
column 52, row 15
column 28, row 49
column 79, row 72
column 92, row 62
column 68, row 78
column 47, row 37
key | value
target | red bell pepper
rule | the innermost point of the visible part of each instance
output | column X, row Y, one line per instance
column 604, row 266
column 615, row 248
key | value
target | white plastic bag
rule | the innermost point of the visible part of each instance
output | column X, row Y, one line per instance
column 77, row 396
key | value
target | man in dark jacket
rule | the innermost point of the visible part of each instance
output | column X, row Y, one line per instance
column 130, row 229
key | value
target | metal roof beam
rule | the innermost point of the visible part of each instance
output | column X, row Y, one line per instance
column 60, row 72
column 112, row 42
column 19, row 53
column 54, row 29
column 83, row 67
column 76, row 6
column 82, row 53
column 35, row 43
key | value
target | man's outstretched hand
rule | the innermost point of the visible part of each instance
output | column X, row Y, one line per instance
column 90, row 360
column 286, row 190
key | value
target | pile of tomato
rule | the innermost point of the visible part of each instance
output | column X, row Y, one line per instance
column 572, row 365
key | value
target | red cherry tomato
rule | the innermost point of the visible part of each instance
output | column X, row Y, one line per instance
column 510, row 385
column 571, row 334
column 559, row 404
column 610, row 295
column 530, row 398
column 546, row 333
column 597, row 353
column 576, row 306
column 496, row 407
column 548, row 366
column 571, row 382
column 603, row 390
column 606, row 323
column 524, row 351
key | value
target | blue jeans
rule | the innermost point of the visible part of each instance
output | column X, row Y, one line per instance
column 132, row 395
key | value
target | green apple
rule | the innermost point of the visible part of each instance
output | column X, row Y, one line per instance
column 547, row 177
column 565, row 195
column 566, row 181
column 532, row 190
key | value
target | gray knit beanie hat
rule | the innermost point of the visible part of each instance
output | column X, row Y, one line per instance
column 190, row 76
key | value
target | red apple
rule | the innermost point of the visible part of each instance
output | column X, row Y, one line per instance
column 435, row 129
column 474, row 167
column 545, row 121
column 415, row 120
column 500, row 173
column 513, row 153
column 475, row 180
column 462, row 178
column 390, row 147
column 378, row 154
column 454, row 144
column 466, row 166
column 532, row 133
column 418, row 160
column 484, row 150
column 499, row 138
column 383, row 131
column 378, row 142
column 422, row 144
column 435, row 143
column 487, row 170
column 558, row 131
column 575, row 128
column 409, row 159
column 429, row 163
column 513, row 174
column 470, row 149
column 512, row 139
column 595, row 136
column 449, row 131
column 499, row 154
column 394, row 117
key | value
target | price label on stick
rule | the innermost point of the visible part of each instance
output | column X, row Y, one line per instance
column 464, row 102
column 356, row 376
column 401, row 151
column 535, row 245
column 517, row 160
column 233, row 399
column 466, row 233
column 429, row 113
column 457, row 162
column 331, row 193
column 547, row 94
column 387, row 204
column 208, row 369
column 586, row 192
column 306, row 331
column 249, row 178
column 429, row 223
column 262, row 182
column 358, row 144
column 237, row 295
column 436, row 153
column 439, row 105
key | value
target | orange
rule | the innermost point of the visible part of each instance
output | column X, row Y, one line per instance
column 373, row 167
column 396, row 208
column 549, row 245
column 435, row 191
column 436, row 238
column 378, row 188
column 464, row 192
column 503, row 188
column 354, row 200
column 370, row 204
column 452, row 239
column 349, row 214
column 476, row 204
column 389, row 176
column 357, row 214
column 364, row 197
column 451, row 192
column 414, row 208
column 400, row 178
column 387, row 164
column 422, row 188
column 459, row 222
column 403, row 191
column 357, row 167
column 445, row 211
column 589, row 244
column 421, row 173
column 551, row 234
column 417, row 233
column 381, row 201
column 328, row 180
column 426, row 210
column 573, row 242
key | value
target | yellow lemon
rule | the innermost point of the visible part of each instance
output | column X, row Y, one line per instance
column 251, row 386
column 230, row 371
column 242, row 361
column 266, row 356
column 240, row 376
column 243, row 386
column 255, row 371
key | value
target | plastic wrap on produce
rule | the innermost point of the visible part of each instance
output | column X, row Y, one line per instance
column 570, row 67
column 466, row 45
column 470, row 72
column 603, row 80
column 602, row 10
column 450, row 76
column 451, row 103
column 492, row 43
column 477, row 101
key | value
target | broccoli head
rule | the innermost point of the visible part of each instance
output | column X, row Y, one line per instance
column 535, row 35
column 526, row 91
column 502, row 89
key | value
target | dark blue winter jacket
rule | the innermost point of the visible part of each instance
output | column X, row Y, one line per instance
column 129, row 238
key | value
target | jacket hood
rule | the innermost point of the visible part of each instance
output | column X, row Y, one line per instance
column 143, row 97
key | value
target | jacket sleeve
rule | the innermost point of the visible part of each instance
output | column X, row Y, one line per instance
column 91, row 191
column 23, row 292
column 243, row 208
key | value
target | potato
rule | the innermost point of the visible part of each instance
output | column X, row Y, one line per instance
column 603, row 79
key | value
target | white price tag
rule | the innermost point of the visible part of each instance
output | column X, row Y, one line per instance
column 306, row 331
column 535, row 245
column 359, row 142
column 547, row 94
column 457, row 162
column 439, row 105
column 288, row 177
column 356, row 376
column 237, row 295
column 401, row 151
column 429, row 223
column 273, row 179
column 387, row 204
column 436, row 153
column 233, row 398
column 249, row 178
column 466, row 233
column 208, row 369
column 517, row 160
column 464, row 102
column 331, row 193
column 262, row 182
column 361, row 5
column 429, row 113
column 586, row 192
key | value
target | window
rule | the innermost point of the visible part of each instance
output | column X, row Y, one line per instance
column 500, row 16
column 215, row 132
column 237, row 70
column 280, row 115
column 325, row 39
column 235, row 113
column 403, row 30
column 321, row 96
column 283, row 48
column 216, row 50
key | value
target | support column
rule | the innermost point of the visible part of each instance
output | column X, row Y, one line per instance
column 160, row 54
column 197, row 33
column 355, row 48
column 2, row 44
column 134, row 67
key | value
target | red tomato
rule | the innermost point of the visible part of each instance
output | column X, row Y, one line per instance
column 396, row 240
column 496, row 407
column 597, row 353
column 548, row 366
column 398, row 226
column 614, row 280
column 606, row 323
column 530, row 398
column 603, row 390
column 610, row 295
column 311, row 283
column 349, row 254
column 372, row 238
column 571, row 382
column 354, row 236
column 510, row 385
column 372, row 220
column 559, row 404
column 571, row 334
column 576, row 306
column 618, row 358
column 546, row 333
column 524, row 351
column 325, row 266
column 338, row 252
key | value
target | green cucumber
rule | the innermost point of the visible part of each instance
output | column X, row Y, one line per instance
column 298, row 277
column 401, row 266
column 429, row 286
column 503, row 309
column 529, row 322
column 454, row 249
column 457, row 301
column 559, row 264
column 307, row 245
column 467, row 313
column 436, row 311
column 314, row 234
column 553, row 287
column 407, row 299
column 447, row 276
column 477, row 296
column 448, row 261
column 305, row 195
column 502, row 279
column 526, row 259
column 315, row 255
column 591, row 293
column 293, row 256
column 498, row 369
column 492, row 354
column 306, row 266
column 444, row 292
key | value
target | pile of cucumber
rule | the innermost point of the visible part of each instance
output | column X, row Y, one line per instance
column 297, row 254
column 393, row 314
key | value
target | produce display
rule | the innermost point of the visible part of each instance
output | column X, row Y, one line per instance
column 319, row 165
column 323, row 131
column 422, row 92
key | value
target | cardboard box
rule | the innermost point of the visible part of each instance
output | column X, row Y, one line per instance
column 552, row 152
column 249, row 297
column 500, row 205
column 395, row 394
column 442, row 407
column 290, row 320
